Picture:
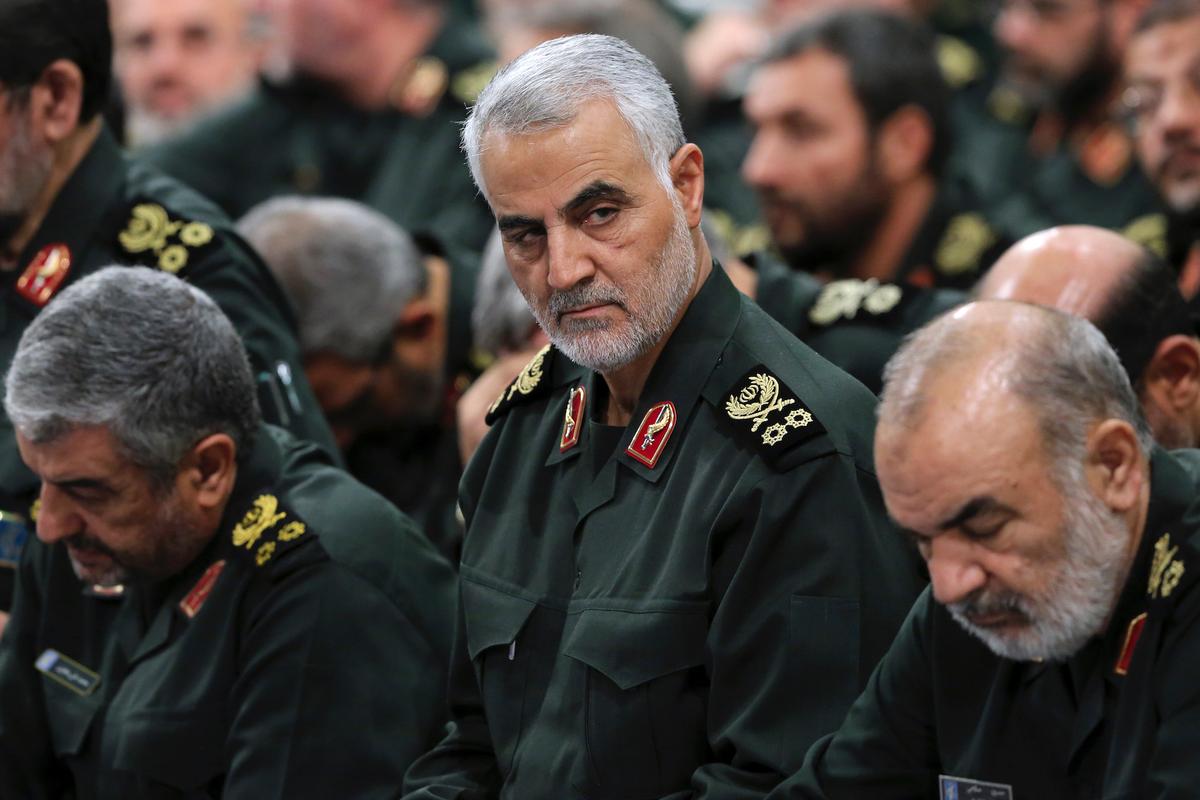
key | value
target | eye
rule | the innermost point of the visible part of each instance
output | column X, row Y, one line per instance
column 599, row 216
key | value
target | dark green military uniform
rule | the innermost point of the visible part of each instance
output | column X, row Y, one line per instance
column 116, row 211
column 301, row 655
column 679, row 602
column 1120, row 719
column 856, row 324
column 1095, row 180
column 301, row 138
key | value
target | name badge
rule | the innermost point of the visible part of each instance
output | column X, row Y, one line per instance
column 71, row 674
column 952, row 788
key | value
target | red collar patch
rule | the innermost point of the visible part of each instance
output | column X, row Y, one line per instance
column 573, row 419
column 1132, row 634
column 652, row 435
column 45, row 274
column 191, row 604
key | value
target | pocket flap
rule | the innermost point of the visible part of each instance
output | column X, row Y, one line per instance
column 633, row 647
column 493, row 618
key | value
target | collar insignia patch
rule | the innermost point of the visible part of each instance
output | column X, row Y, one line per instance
column 1165, row 569
column 67, row 672
column 573, row 419
column 45, row 274
column 153, row 232
column 1132, row 634
column 190, row 605
column 651, row 437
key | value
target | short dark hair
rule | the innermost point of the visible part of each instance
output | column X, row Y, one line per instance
column 892, row 61
column 34, row 33
column 1164, row 12
column 1144, row 308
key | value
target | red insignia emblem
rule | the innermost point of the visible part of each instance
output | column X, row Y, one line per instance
column 191, row 604
column 1132, row 634
column 45, row 274
column 572, row 419
column 652, row 435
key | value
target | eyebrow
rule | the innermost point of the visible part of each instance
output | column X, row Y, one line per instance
column 596, row 190
column 973, row 508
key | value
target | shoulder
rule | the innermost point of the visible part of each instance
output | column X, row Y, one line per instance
column 547, row 370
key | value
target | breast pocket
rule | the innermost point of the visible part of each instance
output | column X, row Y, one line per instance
column 70, row 719
column 645, row 700
column 172, row 752
column 494, row 621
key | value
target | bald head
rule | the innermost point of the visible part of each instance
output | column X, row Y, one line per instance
column 1074, row 268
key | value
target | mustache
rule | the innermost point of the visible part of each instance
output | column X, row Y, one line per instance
column 983, row 604
column 88, row 544
column 1177, row 151
column 582, row 296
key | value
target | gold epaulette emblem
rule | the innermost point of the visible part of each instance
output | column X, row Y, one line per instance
column 844, row 299
column 1165, row 569
column 958, row 61
column 468, row 83
column 766, row 415
column 263, row 517
column 152, row 230
column 523, row 385
column 417, row 93
column 742, row 240
column 1150, row 231
column 967, row 238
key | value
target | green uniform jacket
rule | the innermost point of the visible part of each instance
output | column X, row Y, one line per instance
column 314, row 666
column 942, row 703
column 680, row 621
column 856, row 324
column 115, row 210
column 300, row 138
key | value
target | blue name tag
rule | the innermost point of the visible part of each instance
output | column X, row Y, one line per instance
column 13, row 533
column 952, row 788
column 65, row 672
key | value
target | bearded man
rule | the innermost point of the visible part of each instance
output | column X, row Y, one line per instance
column 676, row 567
column 1054, row 654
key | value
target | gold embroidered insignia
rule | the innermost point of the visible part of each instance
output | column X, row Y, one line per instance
column 967, row 238
column 844, row 298
column 293, row 530
column 572, row 418
column 34, row 509
column 1150, row 231
column 261, row 516
column 418, row 91
column 768, row 415
column 958, row 61
column 650, row 439
column 1165, row 569
column 468, row 83
column 151, row 230
column 523, row 386
column 265, row 551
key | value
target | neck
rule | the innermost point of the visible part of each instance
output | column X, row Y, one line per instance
column 626, row 383
column 905, row 215
column 67, row 156
column 385, row 59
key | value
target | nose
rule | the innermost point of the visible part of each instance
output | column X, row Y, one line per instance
column 761, row 166
column 954, row 570
column 57, row 518
column 570, row 259
column 1179, row 114
column 1014, row 24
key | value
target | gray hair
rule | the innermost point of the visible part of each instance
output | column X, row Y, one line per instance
column 1059, row 364
column 348, row 270
column 142, row 354
column 501, row 320
column 545, row 88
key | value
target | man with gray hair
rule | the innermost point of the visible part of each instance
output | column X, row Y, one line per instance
column 208, row 602
column 385, row 338
column 677, row 571
column 1054, row 653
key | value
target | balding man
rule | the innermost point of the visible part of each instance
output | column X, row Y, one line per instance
column 1131, row 296
column 1054, row 654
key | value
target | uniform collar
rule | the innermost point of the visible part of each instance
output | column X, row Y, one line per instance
column 257, row 472
column 678, row 376
column 83, row 201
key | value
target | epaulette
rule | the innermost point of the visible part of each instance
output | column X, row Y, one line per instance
column 1007, row 106
column 959, row 63
column 156, row 238
column 1173, row 563
column 844, row 299
column 268, row 530
column 420, row 89
column 741, row 240
column 1150, row 231
column 468, row 83
column 768, row 416
column 532, row 382
column 967, row 238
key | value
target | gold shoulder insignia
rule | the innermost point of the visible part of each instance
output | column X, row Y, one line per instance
column 528, row 384
column 843, row 299
column 1165, row 570
column 152, row 233
column 468, row 83
column 260, row 529
column 967, row 238
column 767, row 415
column 959, row 62
column 419, row 89
column 1150, row 231
column 1008, row 106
